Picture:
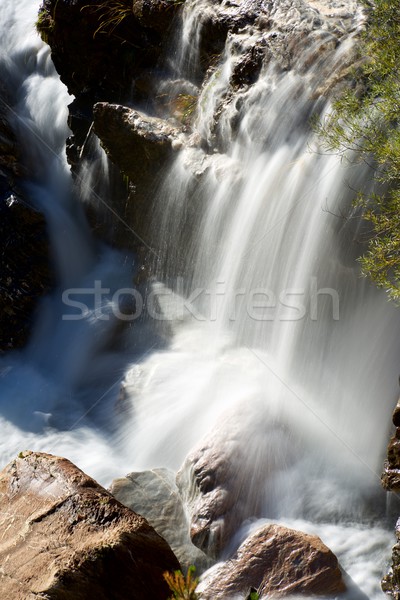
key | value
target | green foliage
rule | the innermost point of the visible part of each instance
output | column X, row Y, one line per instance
column 183, row 588
column 185, row 107
column 365, row 121
column 44, row 25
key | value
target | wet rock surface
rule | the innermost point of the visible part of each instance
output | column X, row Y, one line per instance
column 100, row 49
column 142, row 147
column 391, row 483
column 64, row 536
column 107, row 57
column 391, row 581
column 276, row 562
column 222, row 485
column 26, row 272
column 154, row 495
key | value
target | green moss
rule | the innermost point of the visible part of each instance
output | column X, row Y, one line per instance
column 44, row 25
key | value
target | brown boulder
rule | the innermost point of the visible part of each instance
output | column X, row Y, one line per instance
column 65, row 537
column 276, row 561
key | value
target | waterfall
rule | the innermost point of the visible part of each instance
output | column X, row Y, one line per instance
column 262, row 306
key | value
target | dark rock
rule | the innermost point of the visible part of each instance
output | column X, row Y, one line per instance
column 237, row 456
column 154, row 495
column 26, row 274
column 247, row 70
column 279, row 562
column 100, row 48
column 396, row 415
column 142, row 147
column 391, row 582
column 64, row 537
column 139, row 144
column 391, row 472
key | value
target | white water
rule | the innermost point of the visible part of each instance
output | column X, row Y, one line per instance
column 262, row 221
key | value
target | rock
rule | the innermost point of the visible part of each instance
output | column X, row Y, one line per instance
column 155, row 14
column 26, row 273
column 65, row 537
column 391, row 473
column 276, row 562
column 99, row 50
column 391, row 581
column 142, row 147
column 239, row 455
column 139, row 144
column 154, row 495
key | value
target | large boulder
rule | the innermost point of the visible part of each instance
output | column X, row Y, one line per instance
column 154, row 495
column 65, row 537
column 275, row 562
column 224, row 480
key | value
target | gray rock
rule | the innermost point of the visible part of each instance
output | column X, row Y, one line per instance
column 154, row 495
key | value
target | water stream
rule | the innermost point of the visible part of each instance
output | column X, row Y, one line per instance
column 261, row 298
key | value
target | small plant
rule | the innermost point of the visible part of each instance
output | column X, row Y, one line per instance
column 185, row 107
column 183, row 588
column 111, row 14
column 44, row 25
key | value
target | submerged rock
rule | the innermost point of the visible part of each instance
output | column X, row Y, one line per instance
column 64, row 537
column 276, row 562
column 155, row 496
column 224, row 481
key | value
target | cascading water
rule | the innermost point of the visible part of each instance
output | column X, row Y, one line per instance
column 268, row 312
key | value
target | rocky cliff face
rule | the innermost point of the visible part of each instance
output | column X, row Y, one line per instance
column 26, row 274
column 391, row 483
column 119, row 56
